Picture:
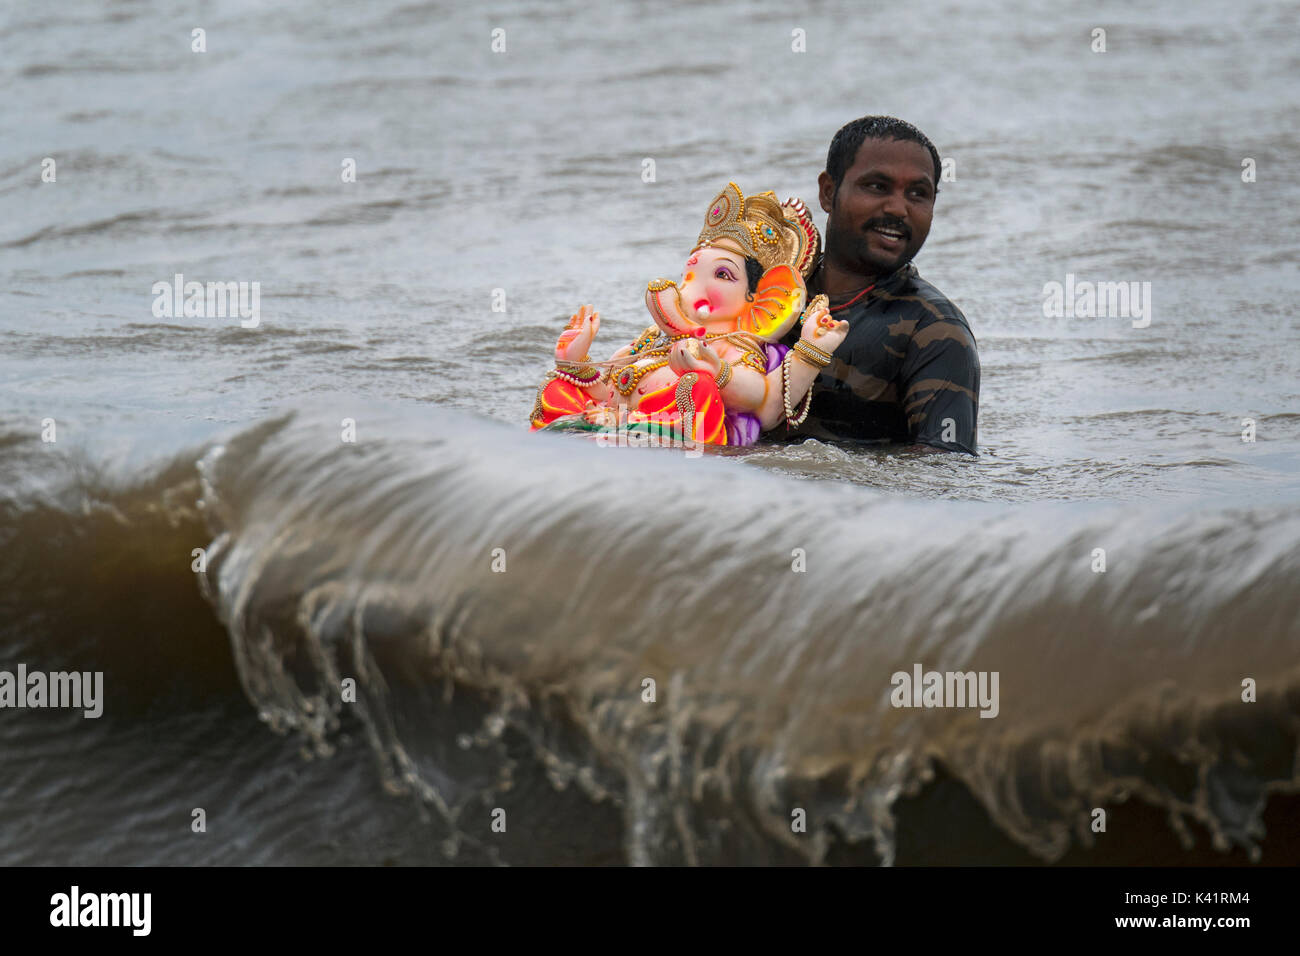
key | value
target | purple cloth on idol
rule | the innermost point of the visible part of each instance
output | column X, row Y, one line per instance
column 775, row 354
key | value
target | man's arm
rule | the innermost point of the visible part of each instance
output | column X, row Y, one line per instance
column 940, row 386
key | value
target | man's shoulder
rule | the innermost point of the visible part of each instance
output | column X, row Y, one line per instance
column 931, row 304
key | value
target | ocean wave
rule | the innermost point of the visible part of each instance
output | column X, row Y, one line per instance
column 503, row 601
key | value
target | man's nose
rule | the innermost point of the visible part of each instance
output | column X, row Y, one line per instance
column 895, row 205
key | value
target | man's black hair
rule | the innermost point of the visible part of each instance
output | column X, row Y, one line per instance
column 754, row 272
column 844, row 147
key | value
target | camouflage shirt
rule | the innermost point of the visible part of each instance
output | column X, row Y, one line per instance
column 907, row 372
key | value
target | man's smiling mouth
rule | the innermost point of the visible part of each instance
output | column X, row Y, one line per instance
column 891, row 233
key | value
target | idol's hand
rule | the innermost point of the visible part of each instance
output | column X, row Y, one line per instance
column 601, row 415
column 692, row 355
column 820, row 329
column 576, row 339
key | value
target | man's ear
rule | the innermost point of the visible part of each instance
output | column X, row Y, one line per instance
column 826, row 191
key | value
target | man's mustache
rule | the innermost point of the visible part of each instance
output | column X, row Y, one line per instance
column 888, row 222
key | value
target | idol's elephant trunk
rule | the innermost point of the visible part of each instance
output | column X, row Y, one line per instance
column 664, row 301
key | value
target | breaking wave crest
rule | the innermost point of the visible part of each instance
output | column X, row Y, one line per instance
column 704, row 651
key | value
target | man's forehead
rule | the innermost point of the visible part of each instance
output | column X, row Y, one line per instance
column 899, row 154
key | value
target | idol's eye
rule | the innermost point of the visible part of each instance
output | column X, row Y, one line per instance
column 724, row 274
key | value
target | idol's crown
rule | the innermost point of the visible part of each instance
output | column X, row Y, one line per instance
column 773, row 233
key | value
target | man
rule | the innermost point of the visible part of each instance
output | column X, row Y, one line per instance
column 908, row 371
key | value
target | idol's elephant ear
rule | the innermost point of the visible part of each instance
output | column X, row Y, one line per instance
column 778, row 301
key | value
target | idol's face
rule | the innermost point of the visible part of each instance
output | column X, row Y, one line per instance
column 880, row 213
column 714, row 283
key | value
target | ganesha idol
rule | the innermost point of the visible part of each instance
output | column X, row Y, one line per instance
column 709, row 371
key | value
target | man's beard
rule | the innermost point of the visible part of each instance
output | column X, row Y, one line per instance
column 849, row 249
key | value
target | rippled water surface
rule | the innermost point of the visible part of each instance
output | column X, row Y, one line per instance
column 521, row 171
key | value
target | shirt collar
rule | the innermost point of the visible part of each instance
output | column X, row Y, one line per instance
column 890, row 283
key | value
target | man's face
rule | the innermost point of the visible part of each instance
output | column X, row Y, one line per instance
column 880, row 215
